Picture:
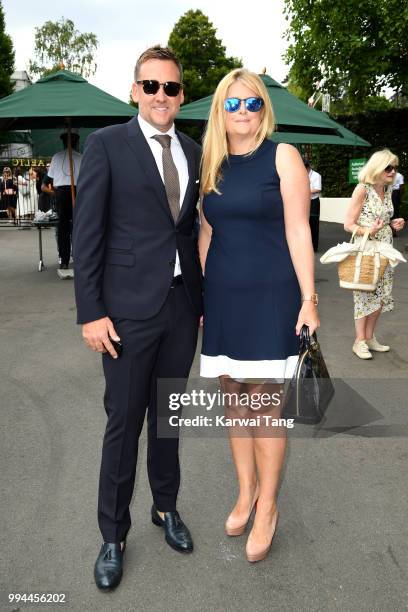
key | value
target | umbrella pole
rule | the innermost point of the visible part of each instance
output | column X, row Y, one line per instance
column 71, row 166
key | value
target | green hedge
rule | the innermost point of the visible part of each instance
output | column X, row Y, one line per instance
column 383, row 129
column 404, row 208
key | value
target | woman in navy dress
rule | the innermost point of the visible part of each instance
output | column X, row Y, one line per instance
column 257, row 259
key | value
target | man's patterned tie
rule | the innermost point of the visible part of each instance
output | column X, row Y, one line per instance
column 170, row 175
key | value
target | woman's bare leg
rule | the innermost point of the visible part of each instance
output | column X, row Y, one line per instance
column 372, row 320
column 360, row 325
column 242, row 450
column 270, row 447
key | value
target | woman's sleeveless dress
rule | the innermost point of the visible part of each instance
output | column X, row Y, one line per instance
column 367, row 302
column 251, row 293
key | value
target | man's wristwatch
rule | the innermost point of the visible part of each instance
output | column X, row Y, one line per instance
column 314, row 298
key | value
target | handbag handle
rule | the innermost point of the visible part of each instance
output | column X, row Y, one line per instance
column 364, row 240
column 305, row 339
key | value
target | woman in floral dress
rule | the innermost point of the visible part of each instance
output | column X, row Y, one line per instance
column 371, row 207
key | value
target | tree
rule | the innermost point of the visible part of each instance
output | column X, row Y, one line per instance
column 59, row 43
column 7, row 58
column 354, row 48
column 296, row 88
column 193, row 39
column 340, row 104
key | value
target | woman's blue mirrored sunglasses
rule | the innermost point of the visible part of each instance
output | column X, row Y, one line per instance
column 253, row 105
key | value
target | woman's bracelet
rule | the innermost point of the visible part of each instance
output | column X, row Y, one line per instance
column 313, row 297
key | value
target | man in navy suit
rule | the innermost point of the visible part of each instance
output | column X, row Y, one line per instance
column 138, row 281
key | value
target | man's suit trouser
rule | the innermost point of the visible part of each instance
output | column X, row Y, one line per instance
column 314, row 222
column 64, row 234
column 160, row 347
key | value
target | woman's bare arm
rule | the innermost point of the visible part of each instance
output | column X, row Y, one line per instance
column 295, row 191
column 204, row 238
column 353, row 213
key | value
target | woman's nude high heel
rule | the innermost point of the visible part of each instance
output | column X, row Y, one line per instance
column 238, row 530
column 253, row 554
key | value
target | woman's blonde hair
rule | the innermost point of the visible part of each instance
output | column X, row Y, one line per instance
column 371, row 172
column 215, row 143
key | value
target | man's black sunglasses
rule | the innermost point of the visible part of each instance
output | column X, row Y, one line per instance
column 151, row 87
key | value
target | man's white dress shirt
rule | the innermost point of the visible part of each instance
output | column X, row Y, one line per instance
column 178, row 157
column 399, row 180
column 315, row 183
column 59, row 168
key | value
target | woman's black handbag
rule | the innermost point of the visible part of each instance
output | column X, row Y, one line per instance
column 310, row 390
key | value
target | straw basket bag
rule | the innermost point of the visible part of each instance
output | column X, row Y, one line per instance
column 362, row 270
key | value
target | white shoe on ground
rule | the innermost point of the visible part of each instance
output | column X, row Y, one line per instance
column 361, row 349
column 374, row 345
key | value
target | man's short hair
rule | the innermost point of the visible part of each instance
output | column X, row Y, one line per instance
column 160, row 53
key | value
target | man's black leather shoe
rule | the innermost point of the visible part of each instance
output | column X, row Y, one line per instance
column 108, row 567
column 177, row 534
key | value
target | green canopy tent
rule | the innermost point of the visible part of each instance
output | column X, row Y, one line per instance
column 46, row 141
column 62, row 100
column 297, row 123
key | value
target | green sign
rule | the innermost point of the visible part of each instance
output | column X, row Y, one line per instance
column 355, row 166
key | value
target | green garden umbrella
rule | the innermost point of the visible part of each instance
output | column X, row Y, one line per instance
column 46, row 141
column 297, row 123
column 62, row 100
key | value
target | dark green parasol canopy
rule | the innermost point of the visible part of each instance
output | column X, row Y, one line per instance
column 297, row 123
column 59, row 100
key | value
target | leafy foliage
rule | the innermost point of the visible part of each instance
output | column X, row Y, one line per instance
column 193, row 39
column 59, row 43
column 7, row 58
column 356, row 47
column 6, row 67
column 383, row 129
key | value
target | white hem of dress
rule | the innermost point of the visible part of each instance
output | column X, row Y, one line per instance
column 219, row 365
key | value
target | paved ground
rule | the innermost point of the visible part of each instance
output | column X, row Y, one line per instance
column 342, row 539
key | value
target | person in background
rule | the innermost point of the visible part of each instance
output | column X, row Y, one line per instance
column 23, row 192
column 8, row 190
column 371, row 207
column 315, row 180
column 59, row 173
column 397, row 193
column 39, row 175
column 46, row 202
column 47, row 196
column 32, row 191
